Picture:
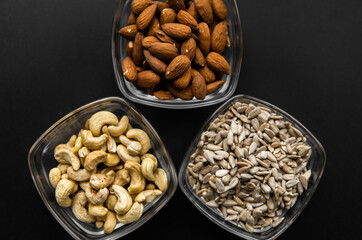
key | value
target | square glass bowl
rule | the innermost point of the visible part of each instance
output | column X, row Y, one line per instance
column 316, row 163
column 41, row 160
column 232, row 54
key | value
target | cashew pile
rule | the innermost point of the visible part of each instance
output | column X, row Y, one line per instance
column 105, row 173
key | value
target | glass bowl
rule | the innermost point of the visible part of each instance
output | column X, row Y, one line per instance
column 232, row 54
column 316, row 163
column 41, row 160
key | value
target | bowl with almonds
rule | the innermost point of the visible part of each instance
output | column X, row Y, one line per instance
column 177, row 54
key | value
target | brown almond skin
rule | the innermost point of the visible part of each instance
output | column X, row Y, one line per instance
column 212, row 87
column 184, row 94
column 186, row 18
column 161, row 5
column 132, row 19
column 195, row 73
column 184, row 80
column 128, row 32
column 129, row 69
column 144, row 19
column 207, row 73
column 154, row 25
column 204, row 38
column 177, row 30
column 188, row 48
column 177, row 67
column 199, row 87
column 177, row 4
column 146, row 42
column 219, row 37
column 137, row 53
column 163, row 51
column 138, row 6
column 155, row 64
column 163, row 95
column 220, row 9
column 168, row 15
column 129, row 48
column 147, row 79
column 193, row 12
column 163, row 37
column 199, row 58
column 218, row 63
column 204, row 9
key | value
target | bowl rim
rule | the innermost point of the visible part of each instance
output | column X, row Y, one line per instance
column 65, row 224
column 171, row 104
column 197, row 202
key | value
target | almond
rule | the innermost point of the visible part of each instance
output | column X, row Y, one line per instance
column 218, row 63
column 220, row 9
column 195, row 73
column 177, row 30
column 155, row 64
column 199, row 87
column 129, row 48
column 177, row 4
column 137, row 53
column 163, row 95
column 204, row 38
column 163, row 51
column 154, row 25
column 188, row 48
column 177, row 67
column 184, row 93
column 144, row 19
column 212, row 87
column 132, row 19
column 147, row 79
column 138, row 6
column 184, row 80
column 161, row 5
column 207, row 73
column 204, row 9
column 168, row 15
column 193, row 12
column 186, row 18
column 129, row 69
column 146, row 42
column 219, row 37
column 163, row 37
column 199, row 58
column 128, row 32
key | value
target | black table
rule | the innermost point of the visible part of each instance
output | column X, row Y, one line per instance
column 303, row 56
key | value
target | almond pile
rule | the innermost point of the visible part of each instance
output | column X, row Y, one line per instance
column 175, row 47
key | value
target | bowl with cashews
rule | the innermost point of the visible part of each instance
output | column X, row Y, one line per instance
column 102, row 170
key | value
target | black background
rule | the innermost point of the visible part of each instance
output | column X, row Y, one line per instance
column 302, row 56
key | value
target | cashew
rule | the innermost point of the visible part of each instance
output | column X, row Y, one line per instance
column 161, row 179
column 121, row 128
column 99, row 224
column 124, row 155
column 110, row 223
column 75, row 188
column 138, row 182
column 82, row 153
column 97, row 210
column 93, row 159
column 133, row 147
column 80, row 175
column 149, row 155
column 150, row 186
column 71, row 141
column 54, row 176
column 111, row 201
column 93, row 196
column 122, row 178
column 79, row 210
column 99, row 119
column 68, row 156
column 112, row 160
column 62, row 192
column 142, row 137
column 63, row 167
column 148, row 168
column 92, row 142
column 132, row 215
column 147, row 196
column 111, row 142
column 124, row 202
column 99, row 180
column 64, row 176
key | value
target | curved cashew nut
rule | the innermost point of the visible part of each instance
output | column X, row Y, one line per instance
column 110, row 223
column 122, row 178
column 102, row 180
column 133, row 147
column 121, row 128
column 54, row 176
column 111, row 202
column 92, row 142
column 63, row 167
column 111, row 142
column 124, row 202
column 63, row 190
column 99, row 119
column 147, row 196
column 97, row 210
column 71, row 141
column 68, row 156
column 93, row 159
column 138, row 182
column 148, row 167
column 77, row 145
column 125, row 156
column 93, row 196
column 161, row 179
column 149, row 155
column 79, row 210
column 142, row 137
column 112, row 160
column 132, row 215
column 80, row 175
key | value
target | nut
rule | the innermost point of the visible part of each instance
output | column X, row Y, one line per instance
column 93, row 159
column 124, row 202
column 132, row 215
column 138, row 182
column 79, row 210
column 144, row 19
column 142, row 137
column 99, row 119
column 63, row 190
column 147, row 196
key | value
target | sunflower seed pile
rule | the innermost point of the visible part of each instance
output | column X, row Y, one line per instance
column 250, row 166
